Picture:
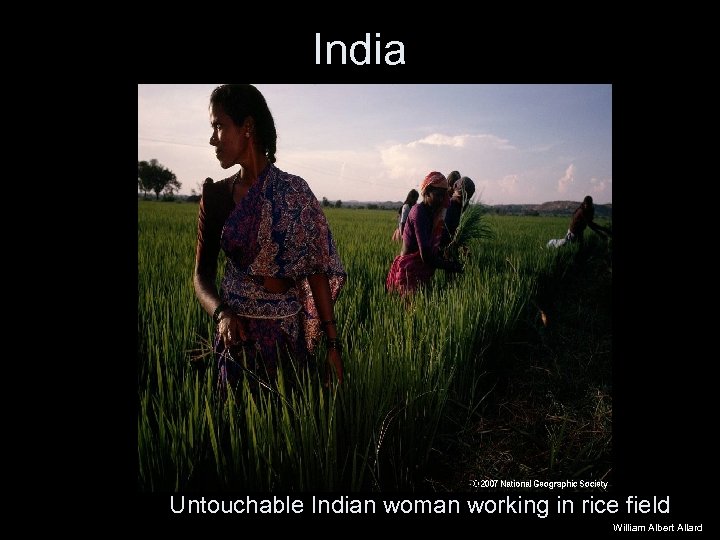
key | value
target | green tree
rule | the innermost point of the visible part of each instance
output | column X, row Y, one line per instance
column 325, row 202
column 338, row 204
column 152, row 176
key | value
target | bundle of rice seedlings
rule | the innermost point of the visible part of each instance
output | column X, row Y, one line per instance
column 472, row 227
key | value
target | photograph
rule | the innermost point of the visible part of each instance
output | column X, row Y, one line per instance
column 374, row 287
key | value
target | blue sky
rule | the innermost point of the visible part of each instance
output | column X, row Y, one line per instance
column 518, row 143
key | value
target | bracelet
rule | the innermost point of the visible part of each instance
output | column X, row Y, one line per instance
column 326, row 323
column 218, row 310
column 334, row 343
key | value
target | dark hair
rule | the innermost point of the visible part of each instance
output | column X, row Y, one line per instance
column 466, row 184
column 467, row 187
column 242, row 100
column 588, row 199
column 411, row 199
column 453, row 177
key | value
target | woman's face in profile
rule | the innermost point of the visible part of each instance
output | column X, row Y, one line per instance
column 435, row 196
column 227, row 137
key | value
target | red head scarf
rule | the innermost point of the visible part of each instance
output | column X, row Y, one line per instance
column 434, row 179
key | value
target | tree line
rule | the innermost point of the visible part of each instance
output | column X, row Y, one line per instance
column 326, row 203
column 155, row 177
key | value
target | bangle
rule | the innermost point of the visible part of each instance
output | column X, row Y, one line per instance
column 327, row 323
column 334, row 343
column 218, row 310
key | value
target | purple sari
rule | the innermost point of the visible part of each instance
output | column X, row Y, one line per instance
column 408, row 272
column 278, row 230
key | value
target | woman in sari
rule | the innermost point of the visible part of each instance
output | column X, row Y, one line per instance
column 282, row 272
column 420, row 254
column 403, row 213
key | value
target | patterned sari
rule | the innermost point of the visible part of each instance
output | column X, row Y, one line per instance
column 408, row 272
column 278, row 230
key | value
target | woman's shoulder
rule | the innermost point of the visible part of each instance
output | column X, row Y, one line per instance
column 292, row 181
column 284, row 175
column 217, row 196
column 210, row 187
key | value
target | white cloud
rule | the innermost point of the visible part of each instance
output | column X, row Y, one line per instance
column 509, row 184
column 601, row 187
column 400, row 161
column 567, row 179
column 388, row 171
column 462, row 141
column 440, row 152
column 438, row 139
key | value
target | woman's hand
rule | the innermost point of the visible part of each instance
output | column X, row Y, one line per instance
column 334, row 365
column 231, row 329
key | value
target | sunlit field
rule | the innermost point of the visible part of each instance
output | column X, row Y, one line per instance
column 412, row 372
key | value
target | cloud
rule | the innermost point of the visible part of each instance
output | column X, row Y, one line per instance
column 442, row 152
column 462, row 141
column 601, row 186
column 380, row 173
column 502, row 174
column 509, row 184
column 567, row 179
column 438, row 139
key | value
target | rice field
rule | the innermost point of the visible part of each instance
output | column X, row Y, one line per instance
column 411, row 372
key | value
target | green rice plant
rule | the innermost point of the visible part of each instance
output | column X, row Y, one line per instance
column 471, row 229
column 413, row 373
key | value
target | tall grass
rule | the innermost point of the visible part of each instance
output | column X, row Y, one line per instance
column 412, row 371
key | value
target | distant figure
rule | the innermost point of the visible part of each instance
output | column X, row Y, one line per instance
column 463, row 190
column 420, row 254
column 410, row 201
column 452, row 177
column 582, row 218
